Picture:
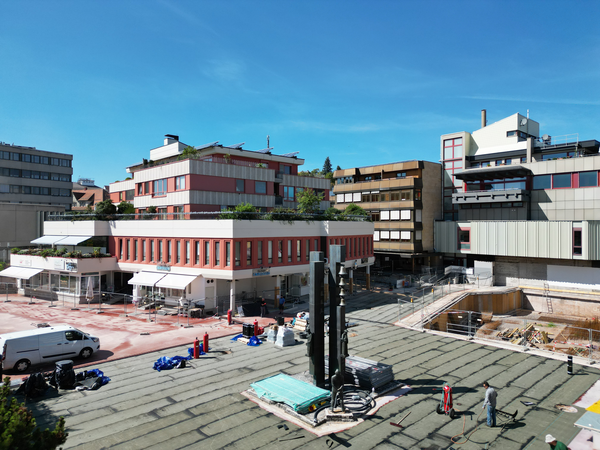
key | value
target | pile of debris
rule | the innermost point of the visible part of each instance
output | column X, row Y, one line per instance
column 524, row 336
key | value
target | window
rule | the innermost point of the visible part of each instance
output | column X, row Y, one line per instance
column 287, row 170
column 187, row 252
column 523, row 159
column 270, row 252
column 316, row 248
column 511, row 133
column 577, row 247
column 15, row 156
column 178, row 210
column 140, row 189
column 120, row 248
column 162, row 212
column 217, row 253
column 588, row 179
column 542, row 182
column 508, row 161
column 179, row 183
column 15, row 173
column 27, row 189
column 228, row 253
column 289, row 250
column 260, row 187
column 561, row 180
column 248, row 253
column 160, row 250
column 35, row 174
column 238, row 251
column 298, row 250
column 288, row 193
column 464, row 239
column 206, row 253
column 401, row 175
column 279, row 251
column 44, row 160
column 197, row 253
column 143, row 250
column 25, row 158
column 307, row 257
column 160, row 187
column 405, row 195
column 65, row 162
column 259, row 251
column 239, row 186
column 55, row 162
column 178, row 252
column 34, row 159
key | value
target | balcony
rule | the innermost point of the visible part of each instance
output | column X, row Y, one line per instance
column 491, row 196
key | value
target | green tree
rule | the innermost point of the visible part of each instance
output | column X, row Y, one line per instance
column 354, row 210
column 338, row 168
column 308, row 201
column 327, row 166
column 18, row 430
column 125, row 208
column 188, row 152
column 105, row 210
column 243, row 211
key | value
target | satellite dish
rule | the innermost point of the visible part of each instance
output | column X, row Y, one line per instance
column 523, row 122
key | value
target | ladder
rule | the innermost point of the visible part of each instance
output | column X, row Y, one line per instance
column 547, row 297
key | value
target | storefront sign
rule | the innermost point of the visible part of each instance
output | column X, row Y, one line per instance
column 163, row 266
column 261, row 272
column 71, row 266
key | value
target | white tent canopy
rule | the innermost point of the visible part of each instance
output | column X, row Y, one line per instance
column 47, row 240
column 146, row 278
column 175, row 281
column 20, row 272
column 60, row 240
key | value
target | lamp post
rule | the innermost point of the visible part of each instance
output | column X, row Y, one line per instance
column 342, row 344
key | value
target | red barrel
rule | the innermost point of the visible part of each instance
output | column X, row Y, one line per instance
column 205, row 342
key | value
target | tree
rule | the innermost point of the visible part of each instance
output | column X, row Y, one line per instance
column 105, row 210
column 243, row 211
column 125, row 208
column 338, row 167
column 308, row 201
column 18, row 429
column 327, row 166
column 354, row 210
column 188, row 152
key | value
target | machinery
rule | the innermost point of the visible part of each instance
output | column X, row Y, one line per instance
column 445, row 406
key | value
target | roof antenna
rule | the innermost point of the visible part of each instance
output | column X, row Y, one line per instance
column 268, row 138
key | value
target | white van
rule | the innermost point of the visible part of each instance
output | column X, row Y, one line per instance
column 21, row 349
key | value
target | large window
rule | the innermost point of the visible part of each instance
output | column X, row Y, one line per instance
column 239, row 186
column 260, row 187
column 542, row 182
column 179, row 183
column 160, row 187
column 561, row 180
column 588, row 179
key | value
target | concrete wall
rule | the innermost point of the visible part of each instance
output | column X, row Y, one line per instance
column 565, row 303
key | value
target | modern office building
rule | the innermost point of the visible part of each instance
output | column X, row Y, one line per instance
column 404, row 200
column 527, row 202
column 199, row 257
column 214, row 177
column 32, row 183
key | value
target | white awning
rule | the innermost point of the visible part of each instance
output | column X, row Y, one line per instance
column 73, row 240
column 47, row 240
column 175, row 281
column 146, row 278
column 20, row 272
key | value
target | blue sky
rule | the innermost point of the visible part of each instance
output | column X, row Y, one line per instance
column 363, row 82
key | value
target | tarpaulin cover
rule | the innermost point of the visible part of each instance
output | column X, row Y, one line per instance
column 253, row 341
column 166, row 363
column 191, row 351
column 294, row 393
column 98, row 373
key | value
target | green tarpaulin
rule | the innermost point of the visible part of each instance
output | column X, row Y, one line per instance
column 294, row 393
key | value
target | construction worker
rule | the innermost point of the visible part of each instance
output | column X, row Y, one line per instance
column 554, row 444
column 490, row 401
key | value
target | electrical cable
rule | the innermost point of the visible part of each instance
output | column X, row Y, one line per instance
column 467, row 437
column 356, row 401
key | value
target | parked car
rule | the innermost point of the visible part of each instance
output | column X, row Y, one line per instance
column 22, row 349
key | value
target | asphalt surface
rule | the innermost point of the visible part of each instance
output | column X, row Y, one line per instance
column 201, row 406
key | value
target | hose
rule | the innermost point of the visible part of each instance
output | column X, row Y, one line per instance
column 356, row 401
column 463, row 429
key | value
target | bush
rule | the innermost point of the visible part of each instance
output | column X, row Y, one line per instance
column 18, row 429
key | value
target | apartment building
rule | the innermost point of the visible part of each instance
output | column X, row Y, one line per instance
column 527, row 202
column 403, row 200
column 214, row 177
column 32, row 183
column 87, row 195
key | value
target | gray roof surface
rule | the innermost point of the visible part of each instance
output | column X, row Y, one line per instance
column 201, row 406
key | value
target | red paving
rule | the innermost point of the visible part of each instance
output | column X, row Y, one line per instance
column 120, row 334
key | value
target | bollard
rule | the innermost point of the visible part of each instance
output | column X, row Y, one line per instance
column 205, row 343
column 196, row 348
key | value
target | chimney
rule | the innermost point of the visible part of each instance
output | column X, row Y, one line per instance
column 483, row 118
column 170, row 138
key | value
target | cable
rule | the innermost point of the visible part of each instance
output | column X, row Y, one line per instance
column 463, row 429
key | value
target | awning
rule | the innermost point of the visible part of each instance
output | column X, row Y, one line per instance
column 146, row 278
column 493, row 173
column 175, row 281
column 47, row 240
column 20, row 272
column 73, row 240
